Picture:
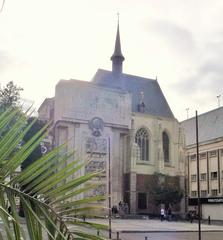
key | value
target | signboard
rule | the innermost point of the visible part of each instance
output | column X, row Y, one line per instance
column 213, row 200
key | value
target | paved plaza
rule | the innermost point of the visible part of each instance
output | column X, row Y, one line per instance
column 129, row 229
column 149, row 225
column 156, row 230
column 171, row 236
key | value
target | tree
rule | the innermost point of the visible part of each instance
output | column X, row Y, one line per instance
column 166, row 190
column 36, row 126
column 10, row 95
column 36, row 153
column 50, row 197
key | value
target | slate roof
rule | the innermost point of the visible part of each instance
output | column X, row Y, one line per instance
column 210, row 127
column 154, row 100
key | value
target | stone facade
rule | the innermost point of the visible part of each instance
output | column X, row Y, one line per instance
column 72, row 123
column 141, row 171
column 122, row 118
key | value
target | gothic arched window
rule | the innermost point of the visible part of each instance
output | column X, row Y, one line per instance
column 142, row 141
column 166, row 145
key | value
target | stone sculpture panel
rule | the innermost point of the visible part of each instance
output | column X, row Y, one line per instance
column 96, row 148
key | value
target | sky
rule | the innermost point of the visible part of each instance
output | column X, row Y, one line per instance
column 179, row 42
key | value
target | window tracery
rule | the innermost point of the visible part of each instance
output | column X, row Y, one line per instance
column 142, row 141
column 166, row 143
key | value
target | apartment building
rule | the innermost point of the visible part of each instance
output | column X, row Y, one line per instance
column 210, row 132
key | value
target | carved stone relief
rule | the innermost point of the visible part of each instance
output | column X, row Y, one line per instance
column 96, row 149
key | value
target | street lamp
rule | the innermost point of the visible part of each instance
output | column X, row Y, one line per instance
column 218, row 97
column 109, row 186
column 198, row 182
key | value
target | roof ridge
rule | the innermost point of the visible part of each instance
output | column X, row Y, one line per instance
column 202, row 114
column 126, row 74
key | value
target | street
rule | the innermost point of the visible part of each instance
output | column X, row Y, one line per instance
column 172, row 236
column 138, row 229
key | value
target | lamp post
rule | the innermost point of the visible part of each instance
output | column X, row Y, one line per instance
column 109, row 187
column 218, row 97
column 198, row 182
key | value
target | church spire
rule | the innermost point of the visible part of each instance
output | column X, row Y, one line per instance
column 117, row 58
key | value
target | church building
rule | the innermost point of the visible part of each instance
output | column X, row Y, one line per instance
column 122, row 121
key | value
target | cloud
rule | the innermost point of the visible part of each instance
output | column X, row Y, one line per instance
column 208, row 72
column 207, row 78
column 177, row 37
column 212, row 69
column 201, row 79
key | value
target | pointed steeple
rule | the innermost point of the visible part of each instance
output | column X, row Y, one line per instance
column 117, row 58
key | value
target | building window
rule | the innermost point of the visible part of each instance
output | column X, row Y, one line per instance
column 214, row 192
column 202, row 155
column 203, row 193
column 193, row 193
column 193, row 178
column 213, row 153
column 214, row 175
column 221, row 152
column 166, row 146
column 193, row 157
column 142, row 141
column 203, row 176
column 142, row 200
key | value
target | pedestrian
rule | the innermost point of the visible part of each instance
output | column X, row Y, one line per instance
column 192, row 215
column 169, row 214
column 126, row 208
column 115, row 210
column 162, row 214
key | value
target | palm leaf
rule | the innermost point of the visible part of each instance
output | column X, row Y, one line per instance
column 47, row 189
column 16, row 226
column 37, row 167
column 5, row 215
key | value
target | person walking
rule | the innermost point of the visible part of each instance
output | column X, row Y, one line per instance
column 162, row 214
column 169, row 214
column 192, row 215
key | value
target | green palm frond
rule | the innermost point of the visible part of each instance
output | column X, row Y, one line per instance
column 48, row 191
